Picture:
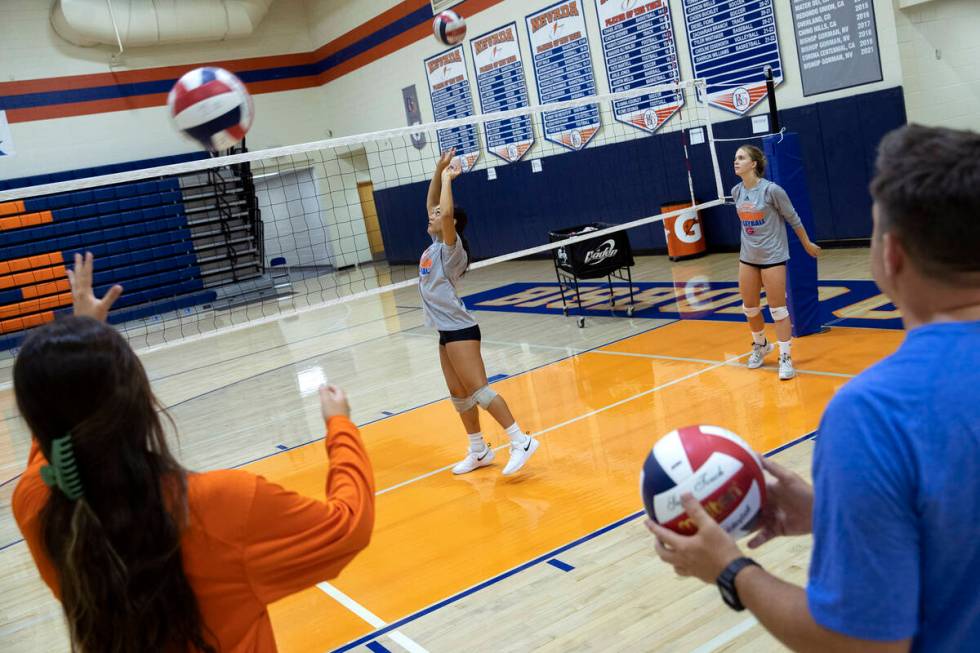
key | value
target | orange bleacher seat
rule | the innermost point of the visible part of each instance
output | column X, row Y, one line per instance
column 11, row 208
column 21, row 323
column 26, row 220
column 41, row 289
column 32, row 277
column 31, row 263
column 34, row 306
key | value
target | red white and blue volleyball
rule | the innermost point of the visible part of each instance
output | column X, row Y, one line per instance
column 449, row 27
column 212, row 106
column 718, row 467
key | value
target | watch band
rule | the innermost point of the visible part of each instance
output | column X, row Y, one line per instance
column 726, row 582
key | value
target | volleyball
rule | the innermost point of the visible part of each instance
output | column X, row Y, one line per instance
column 449, row 28
column 212, row 106
column 713, row 464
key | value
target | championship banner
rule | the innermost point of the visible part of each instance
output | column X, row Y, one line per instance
column 563, row 71
column 731, row 43
column 449, row 88
column 639, row 50
column 501, row 86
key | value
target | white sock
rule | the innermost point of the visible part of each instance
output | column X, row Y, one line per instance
column 476, row 442
column 759, row 337
column 784, row 347
column 515, row 434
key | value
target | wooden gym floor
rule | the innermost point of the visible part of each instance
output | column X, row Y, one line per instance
column 554, row 558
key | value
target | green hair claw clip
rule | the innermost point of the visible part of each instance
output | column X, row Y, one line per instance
column 63, row 470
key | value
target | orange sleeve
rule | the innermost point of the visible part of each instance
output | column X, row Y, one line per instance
column 30, row 496
column 294, row 542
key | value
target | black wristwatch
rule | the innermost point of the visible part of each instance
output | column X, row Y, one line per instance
column 726, row 582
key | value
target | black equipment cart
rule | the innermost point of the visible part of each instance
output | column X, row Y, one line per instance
column 604, row 256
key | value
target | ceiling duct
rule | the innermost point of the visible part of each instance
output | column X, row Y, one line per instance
column 143, row 23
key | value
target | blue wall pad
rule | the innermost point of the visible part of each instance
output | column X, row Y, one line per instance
column 786, row 169
column 625, row 181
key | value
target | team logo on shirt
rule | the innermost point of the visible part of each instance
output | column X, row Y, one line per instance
column 750, row 216
column 425, row 265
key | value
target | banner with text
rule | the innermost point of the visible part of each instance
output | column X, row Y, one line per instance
column 563, row 71
column 449, row 88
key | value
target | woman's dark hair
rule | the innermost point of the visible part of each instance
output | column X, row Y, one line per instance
column 459, row 215
column 116, row 550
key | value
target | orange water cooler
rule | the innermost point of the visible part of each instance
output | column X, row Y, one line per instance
column 685, row 232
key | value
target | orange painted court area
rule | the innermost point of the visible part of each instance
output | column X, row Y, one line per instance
column 597, row 414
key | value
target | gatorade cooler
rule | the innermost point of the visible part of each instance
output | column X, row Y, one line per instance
column 685, row 234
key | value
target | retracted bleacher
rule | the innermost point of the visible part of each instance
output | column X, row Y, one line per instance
column 173, row 243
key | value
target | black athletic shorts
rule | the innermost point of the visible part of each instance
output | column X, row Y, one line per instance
column 762, row 266
column 469, row 333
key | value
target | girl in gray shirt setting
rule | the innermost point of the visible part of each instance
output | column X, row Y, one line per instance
column 440, row 268
column 762, row 206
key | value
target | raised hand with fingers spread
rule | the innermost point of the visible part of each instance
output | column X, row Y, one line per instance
column 83, row 297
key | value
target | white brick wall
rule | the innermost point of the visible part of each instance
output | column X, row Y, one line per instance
column 939, row 45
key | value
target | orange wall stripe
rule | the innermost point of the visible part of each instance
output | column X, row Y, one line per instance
column 380, row 21
column 76, row 82
column 364, row 30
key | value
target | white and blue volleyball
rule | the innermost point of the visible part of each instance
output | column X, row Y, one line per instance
column 719, row 468
column 212, row 106
column 449, row 27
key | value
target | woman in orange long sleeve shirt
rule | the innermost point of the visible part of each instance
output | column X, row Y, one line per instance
column 147, row 556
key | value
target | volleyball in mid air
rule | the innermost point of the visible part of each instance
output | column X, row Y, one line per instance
column 212, row 106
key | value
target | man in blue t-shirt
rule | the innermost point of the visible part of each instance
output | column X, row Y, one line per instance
column 895, row 507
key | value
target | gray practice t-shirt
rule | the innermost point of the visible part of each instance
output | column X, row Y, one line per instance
column 440, row 268
column 762, row 210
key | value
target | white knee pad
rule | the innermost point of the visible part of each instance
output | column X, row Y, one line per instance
column 484, row 396
column 778, row 313
column 463, row 405
column 751, row 311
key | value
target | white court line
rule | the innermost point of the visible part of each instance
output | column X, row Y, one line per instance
column 727, row 636
column 682, row 359
column 580, row 417
column 372, row 619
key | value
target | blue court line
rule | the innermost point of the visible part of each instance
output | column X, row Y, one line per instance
column 496, row 377
column 387, row 413
column 546, row 558
column 493, row 581
column 282, row 447
column 564, row 566
column 377, row 647
column 10, row 480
